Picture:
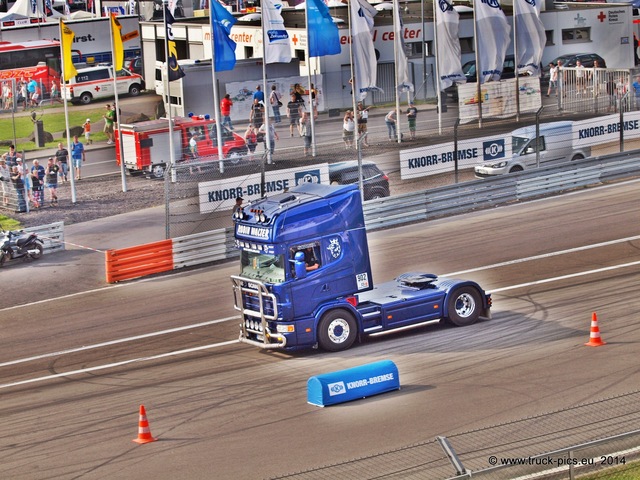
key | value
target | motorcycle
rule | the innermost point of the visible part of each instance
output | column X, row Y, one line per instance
column 23, row 245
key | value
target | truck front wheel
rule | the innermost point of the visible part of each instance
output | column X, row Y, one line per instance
column 463, row 306
column 337, row 331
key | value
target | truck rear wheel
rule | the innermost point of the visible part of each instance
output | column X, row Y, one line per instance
column 463, row 306
column 337, row 331
column 157, row 171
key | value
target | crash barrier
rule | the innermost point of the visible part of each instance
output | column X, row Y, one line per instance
column 353, row 383
column 215, row 245
column 52, row 236
column 167, row 255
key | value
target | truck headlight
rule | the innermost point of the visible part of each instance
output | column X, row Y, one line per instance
column 285, row 328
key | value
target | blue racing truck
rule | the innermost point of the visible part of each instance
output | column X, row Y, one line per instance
column 305, row 276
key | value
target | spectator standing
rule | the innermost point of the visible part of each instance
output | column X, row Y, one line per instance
column 11, row 157
column 37, row 183
column 32, row 187
column 348, row 129
column 108, row 123
column 258, row 95
column 35, row 96
column 7, row 96
column 580, row 80
column 293, row 113
column 412, row 114
column 62, row 159
column 274, row 100
column 256, row 116
column 390, row 120
column 636, row 91
column 77, row 156
column 273, row 136
column 314, row 100
column 18, row 184
column 55, row 93
column 5, row 178
column 19, row 165
column 225, row 110
column 251, row 138
column 305, row 132
column 52, row 181
column 553, row 79
column 363, row 120
column 24, row 95
column 87, row 131
column 193, row 146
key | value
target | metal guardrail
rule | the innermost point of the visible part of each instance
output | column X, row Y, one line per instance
column 204, row 247
column 52, row 235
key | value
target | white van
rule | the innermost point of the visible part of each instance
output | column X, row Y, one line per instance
column 93, row 83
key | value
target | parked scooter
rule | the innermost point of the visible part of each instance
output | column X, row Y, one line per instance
column 19, row 245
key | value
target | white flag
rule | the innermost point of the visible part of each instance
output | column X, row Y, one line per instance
column 530, row 36
column 404, row 84
column 492, row 38
column 448, row 44
column 277, row 47
column 365, row 63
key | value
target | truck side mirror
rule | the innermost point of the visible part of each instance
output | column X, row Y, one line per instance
column 299, row 265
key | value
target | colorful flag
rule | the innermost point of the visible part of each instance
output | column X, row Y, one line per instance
column 324, row 38
column 448, row 44
column 118, row 48
column 66, row 41
column 175, row 71
column 277, row 47
column 402, row 66
column 224, row 49
column 492, row 38
column 530, row 36
column 365, row 63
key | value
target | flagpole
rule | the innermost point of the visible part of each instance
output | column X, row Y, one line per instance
column 306, row 53
column 214, row 86
column 115, row 91
column 165, row 86
column 267, row 133
column 396, row 16
column 515, row 56
column 437, row 55
column 354, row 105
column 66, row 119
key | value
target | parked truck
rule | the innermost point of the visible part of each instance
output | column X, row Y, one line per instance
column 305, row 276
column 146, row 144
column 555, row 145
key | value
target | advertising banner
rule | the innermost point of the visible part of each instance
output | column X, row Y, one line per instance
column 435, row 159
column 221, row 194
column 589, row 133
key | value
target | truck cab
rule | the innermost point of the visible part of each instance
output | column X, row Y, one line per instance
column 305, row 277
column 554, row 144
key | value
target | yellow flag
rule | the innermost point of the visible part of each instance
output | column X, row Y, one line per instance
column 66, row 40
column 118, row 49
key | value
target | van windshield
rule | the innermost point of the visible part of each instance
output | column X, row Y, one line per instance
column 518, row 144
column 263, row 267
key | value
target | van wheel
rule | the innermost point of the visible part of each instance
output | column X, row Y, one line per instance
column 517, row 168
column 337, row 331
column 577, row 157
column 463, row 306
column 157, row 171
column 134, row 90
column 86, row 98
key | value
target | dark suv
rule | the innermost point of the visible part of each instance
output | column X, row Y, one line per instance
column 469, row 71
column 375, row 183
column 570, row 59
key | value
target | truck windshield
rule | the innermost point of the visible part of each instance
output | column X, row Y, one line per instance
column 260, row 266
column 518, row 144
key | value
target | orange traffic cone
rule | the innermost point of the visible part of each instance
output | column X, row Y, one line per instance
column 594, row 336
column 144, row 434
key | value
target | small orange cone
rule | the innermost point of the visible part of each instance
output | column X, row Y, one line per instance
column 594, row 336
column 144, row 434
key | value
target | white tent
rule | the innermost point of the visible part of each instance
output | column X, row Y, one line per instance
column 25, row 10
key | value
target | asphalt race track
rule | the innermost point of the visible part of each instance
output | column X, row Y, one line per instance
column 74, row 370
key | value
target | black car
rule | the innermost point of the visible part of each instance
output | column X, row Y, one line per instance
column 469, row 71
column 570, row 60
column 374, row 182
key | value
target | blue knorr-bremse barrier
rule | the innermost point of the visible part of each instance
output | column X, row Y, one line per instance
column 353, row 383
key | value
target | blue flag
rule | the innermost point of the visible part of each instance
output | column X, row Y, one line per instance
column 175, row 70
column 324, row 38
column 224, row 49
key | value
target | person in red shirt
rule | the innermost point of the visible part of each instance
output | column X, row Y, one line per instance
column 225, row 110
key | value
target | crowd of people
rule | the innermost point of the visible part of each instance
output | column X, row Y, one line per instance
column 27, row 93
column 32, row 187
